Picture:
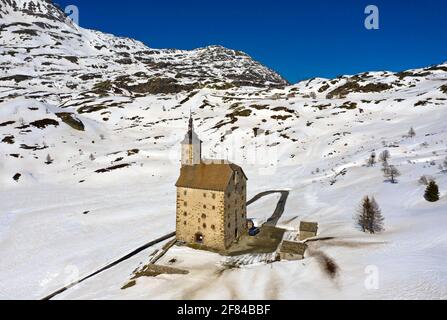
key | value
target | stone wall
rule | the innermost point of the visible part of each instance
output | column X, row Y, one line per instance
column 191, row 154
column 235, row 209
column 200, row 212
column 219, row 217
column 306, row 235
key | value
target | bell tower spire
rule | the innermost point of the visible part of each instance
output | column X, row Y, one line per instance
column 191, row 146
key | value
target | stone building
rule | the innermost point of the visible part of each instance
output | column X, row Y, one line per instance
column 291, row 250
column 308, row 230
column 211, row 198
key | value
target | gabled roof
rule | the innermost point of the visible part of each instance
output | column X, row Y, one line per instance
column 213, row 176
column 308, row 226
column 293, row 247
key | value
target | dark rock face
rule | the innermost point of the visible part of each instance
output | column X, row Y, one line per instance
column 42, row 124
column 35, row 8
column 71, row 120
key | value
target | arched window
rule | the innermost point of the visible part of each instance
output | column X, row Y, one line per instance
column 198, row 238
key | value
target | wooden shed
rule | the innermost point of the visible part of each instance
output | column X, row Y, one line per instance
column 308, row 230
column 291, row 250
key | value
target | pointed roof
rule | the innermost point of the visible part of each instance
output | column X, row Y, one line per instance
column 190, row 136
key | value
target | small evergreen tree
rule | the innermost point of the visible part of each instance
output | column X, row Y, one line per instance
column 369, row 216
column 432, row 192
column 412, row 133
column 49, row 159
column 92, row 157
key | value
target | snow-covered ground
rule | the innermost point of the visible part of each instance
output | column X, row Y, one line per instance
column 48, row 240
column 110, row 188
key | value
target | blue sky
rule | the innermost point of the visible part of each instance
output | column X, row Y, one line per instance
column 298, row 39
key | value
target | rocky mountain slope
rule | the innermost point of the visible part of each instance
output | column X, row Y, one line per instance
column 41, row 50
column 90, row 126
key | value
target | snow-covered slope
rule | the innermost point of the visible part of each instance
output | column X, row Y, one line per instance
column 90, row 126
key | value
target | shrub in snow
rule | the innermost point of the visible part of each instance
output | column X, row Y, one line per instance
column 371, row 160
column 391, row 172
column 384, row 156
column 432, row 192
column 425, row 180
column 411, row 133
column 369, row 216
column 443, row 166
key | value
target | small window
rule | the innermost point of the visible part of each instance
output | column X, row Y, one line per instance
column 185, row 213
column 204, row 226
column 184, row 223
column 185, row 203
column 204, row 206
column 199, row 220
column 204, row 195
column 213, row 196
column 213, row 227
column 184, row 193
column 214, row 207
column 229, row 224
column 203, row 216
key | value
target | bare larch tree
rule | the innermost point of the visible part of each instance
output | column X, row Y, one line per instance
column 369, row 216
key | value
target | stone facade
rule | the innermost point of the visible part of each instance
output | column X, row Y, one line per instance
column 308, row 230
column 212, row 219
column 291, row 250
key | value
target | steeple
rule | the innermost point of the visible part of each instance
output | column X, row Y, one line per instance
column 191, row 146
column 190, row 128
